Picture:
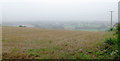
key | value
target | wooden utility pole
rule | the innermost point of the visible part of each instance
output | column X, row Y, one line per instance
column 111, row 18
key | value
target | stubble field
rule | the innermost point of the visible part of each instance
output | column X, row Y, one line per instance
column 34, row 43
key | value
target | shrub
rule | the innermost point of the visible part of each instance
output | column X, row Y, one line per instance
column 109, row 41
column 111, row 29
column 118, row 32
column 112, row 45
column 21, row 26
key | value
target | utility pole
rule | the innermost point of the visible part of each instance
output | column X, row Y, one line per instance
column 111, row 18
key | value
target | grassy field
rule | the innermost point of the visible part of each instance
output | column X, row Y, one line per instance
column 33, row 43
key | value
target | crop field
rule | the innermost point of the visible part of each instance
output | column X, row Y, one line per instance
column 35, row 43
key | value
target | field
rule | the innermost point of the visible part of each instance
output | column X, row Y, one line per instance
column 34, row 43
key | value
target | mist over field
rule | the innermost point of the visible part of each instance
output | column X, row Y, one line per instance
column 52, row 14
column 66, row 25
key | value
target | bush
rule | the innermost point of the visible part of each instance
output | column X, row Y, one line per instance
column 112, row 45
column 111, row 29
column 109, row 41
column 118, row 32
column 118, row 27
column 21, row 26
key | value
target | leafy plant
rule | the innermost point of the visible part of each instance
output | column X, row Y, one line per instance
column 109, row 41
column 111, row 29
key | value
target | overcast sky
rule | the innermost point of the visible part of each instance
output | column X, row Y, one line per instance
column 58, row 10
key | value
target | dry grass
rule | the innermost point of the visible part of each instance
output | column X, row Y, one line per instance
column 33, row 38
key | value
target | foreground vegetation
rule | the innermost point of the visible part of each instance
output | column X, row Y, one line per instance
column 111, row 47
column 32, row 43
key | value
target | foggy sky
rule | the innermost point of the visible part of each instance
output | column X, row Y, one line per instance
column 59, row 10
